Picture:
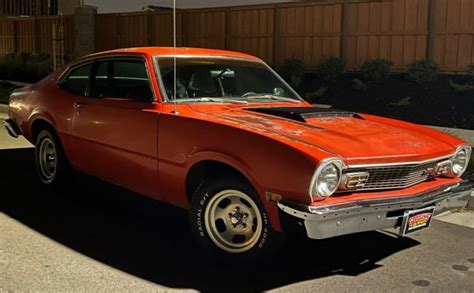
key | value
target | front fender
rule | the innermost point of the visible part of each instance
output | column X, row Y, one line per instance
column 269, row 164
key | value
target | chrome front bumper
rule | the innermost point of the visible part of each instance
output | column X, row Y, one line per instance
column 367, row 215
column 11, row 127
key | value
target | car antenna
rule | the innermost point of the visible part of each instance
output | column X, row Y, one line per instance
column 174, row 59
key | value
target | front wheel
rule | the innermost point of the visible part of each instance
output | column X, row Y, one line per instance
column 228, row 220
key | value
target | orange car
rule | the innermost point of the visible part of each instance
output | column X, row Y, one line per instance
column 229, row 140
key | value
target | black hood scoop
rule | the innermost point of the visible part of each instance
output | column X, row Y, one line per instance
column 302, row 113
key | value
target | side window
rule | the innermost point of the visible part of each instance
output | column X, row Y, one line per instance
column 130, row 80
column 126, row 79
column 78, row 79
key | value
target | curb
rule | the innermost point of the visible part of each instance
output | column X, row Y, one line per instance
column 470, row 204
column 464, row 134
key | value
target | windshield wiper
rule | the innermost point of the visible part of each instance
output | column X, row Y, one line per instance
column 211, row 99
column 273, row 97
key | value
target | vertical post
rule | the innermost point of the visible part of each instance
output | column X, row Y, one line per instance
column 55, row 51
column 150, row 30
column 61, row 41
column 36, row 36
column 431, row 28
column 15, row 36
column 344, row 29
column 227, row 29
column 84, row 20
column 276, row 34
column 37, row 8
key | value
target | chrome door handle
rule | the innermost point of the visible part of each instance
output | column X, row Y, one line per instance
column 78, row 104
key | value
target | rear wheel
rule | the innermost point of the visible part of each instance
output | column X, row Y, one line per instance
column 228, row 220
column 52, row 165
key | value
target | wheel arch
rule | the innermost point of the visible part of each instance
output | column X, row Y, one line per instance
column 208, row 163
column 36, row 121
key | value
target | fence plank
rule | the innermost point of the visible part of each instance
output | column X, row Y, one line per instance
column 400, row 30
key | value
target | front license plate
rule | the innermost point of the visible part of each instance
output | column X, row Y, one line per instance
column 416, row 220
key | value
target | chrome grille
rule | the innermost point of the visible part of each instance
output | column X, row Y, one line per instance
column 395, row 177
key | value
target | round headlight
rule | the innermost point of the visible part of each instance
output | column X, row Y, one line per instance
column 326, row 180
column 460, row 161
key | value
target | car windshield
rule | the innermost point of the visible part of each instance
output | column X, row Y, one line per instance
column 223, row 80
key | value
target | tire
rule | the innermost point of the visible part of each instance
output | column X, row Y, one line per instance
column 229, row 222
column 52, row 165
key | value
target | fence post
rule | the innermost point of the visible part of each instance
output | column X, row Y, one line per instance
column 36, row 36
column 54, row 46
column 227, row 29
column 84, row 20
column 344, row 29
column 276, row 34
column 15, row 36
column 150, row 30
column 431, row 28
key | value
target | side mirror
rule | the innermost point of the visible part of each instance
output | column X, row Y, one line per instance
column 278, row 91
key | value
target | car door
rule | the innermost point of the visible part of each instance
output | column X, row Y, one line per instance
column 114, row 128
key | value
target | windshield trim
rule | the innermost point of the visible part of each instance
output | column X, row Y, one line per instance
column 167, row 100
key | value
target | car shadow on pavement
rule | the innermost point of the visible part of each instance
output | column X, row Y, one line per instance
column 151, row 240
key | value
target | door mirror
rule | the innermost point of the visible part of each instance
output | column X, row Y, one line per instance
column 278, row 91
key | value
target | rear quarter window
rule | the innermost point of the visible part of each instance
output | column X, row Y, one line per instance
column 78, row 79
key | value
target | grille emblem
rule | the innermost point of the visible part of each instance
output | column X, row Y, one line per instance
column 356, row 180
column 443, row 168
column 428, row 172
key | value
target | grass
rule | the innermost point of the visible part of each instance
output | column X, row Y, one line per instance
column 5, row 90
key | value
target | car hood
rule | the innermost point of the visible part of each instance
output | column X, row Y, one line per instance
column 342, row 133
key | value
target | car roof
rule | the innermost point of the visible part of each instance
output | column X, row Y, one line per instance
column 179, row 51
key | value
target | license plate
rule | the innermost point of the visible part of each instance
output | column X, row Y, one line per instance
column 416, row 220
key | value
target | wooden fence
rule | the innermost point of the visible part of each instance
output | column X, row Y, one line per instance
column 35, row 34
column 357, row 30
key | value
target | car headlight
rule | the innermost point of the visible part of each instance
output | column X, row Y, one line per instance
column 326, row 179
column 460, row 161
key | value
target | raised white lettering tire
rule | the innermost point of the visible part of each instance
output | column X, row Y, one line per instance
column 228, row 220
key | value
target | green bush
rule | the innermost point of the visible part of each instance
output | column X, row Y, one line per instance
column 331, row 68
column 375, row 70
column 292, row 70
column 25, row 67
column 461, row 88
column 404, row 102
column 317, row 94
column 5, row 90
column 359, row 85
column 470, row 73
column 423, row 71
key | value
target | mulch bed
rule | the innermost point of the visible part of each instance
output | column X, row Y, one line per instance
column 431, row 104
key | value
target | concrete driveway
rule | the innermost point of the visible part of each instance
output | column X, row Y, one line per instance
column 98, row 237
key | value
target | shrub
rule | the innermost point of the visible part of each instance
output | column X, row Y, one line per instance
column 402, row 102
column 292, row 70
column 376, row 69
column 5, row 90
column 470, row 73
column 359, row 85
column 331, row 68
column 461, row 88
column 25, row 66
column 317, row 94
column 423, row 71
